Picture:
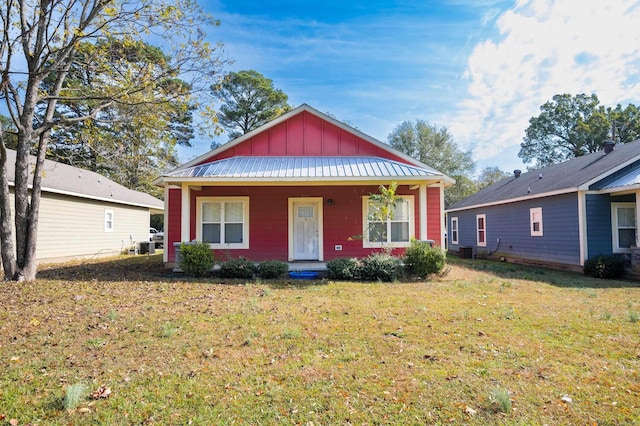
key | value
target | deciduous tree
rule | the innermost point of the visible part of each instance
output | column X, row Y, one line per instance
column 570, row 126
column 490, row 175
column 127, row 142
column 40, row 39
column 436, row 148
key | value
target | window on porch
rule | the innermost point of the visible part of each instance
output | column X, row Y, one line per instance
column 623, row 226
column 223, row 222
column 396, row 231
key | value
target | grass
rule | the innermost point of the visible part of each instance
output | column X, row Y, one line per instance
column 489, row 343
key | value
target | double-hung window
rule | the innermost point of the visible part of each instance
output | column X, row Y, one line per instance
column 223, row 222
column 535, row 221
column 481, row 230
column 623, row 221
column 388, row 230
column 454, row 230
column 108, row 220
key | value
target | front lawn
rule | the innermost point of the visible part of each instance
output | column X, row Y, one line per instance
column 489, row 343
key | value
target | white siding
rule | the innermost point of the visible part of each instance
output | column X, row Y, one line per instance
column 71, row 227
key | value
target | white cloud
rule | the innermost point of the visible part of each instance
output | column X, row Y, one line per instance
column 545, row 48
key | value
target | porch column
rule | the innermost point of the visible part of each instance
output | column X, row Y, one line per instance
column 185, row 223
column 637, row 217
column 443, row 224
column 423, row 210
column 165, row 221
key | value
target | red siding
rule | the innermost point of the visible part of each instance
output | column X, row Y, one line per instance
column 268, row 219
column 174, row 227
column 434, row 227
column 304, row 134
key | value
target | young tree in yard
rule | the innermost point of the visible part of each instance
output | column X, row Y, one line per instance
column 39, row 41
column 568, row 127
column 436, row 148
column 248, row 100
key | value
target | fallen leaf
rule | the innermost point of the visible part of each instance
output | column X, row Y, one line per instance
column 13, row 422
column 470, row 411
column 84, row 410
column 101, row 392
column 34, row 322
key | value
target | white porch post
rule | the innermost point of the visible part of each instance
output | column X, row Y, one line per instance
column 423, row 210
column 443, row 224
column 637, row 217
column 165, row 221
column 582, row 226
column 185, row 223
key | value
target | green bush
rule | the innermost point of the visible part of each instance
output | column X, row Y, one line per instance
column 345, row 268
column 196, row 258
column 272, row 269
column 604, row 266
column 238, row 268
column 423, row 260
column 381, row 267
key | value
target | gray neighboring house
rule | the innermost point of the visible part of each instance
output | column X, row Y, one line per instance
column 84, row 214
column 560, row 215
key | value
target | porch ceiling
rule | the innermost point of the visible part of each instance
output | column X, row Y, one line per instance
column 318, row 168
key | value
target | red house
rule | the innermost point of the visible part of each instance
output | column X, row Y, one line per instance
column 297, row 189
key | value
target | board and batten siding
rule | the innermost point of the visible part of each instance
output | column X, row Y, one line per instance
column 560, row 242
column 72, row 227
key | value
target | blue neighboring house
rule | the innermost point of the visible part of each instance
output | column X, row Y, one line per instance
column 560, row 215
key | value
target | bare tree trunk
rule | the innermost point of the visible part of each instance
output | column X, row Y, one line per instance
column 6, row 240
column 21, row 187
column 29, row 268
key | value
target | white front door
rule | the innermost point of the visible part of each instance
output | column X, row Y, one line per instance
column 305, row 228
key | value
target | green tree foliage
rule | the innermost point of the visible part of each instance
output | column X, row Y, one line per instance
column 571, row 126
column 8, row 132
column 248, row 100
column 127, row 142
column 627, row 122
column 436, row 148
column 41, row 46
column 490, row 175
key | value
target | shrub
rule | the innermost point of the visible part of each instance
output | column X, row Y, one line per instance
column 609, row 266
column 381, row 267
column 345, row 268
column 196, row 258
column 272, row 269
column 422, row 260
column 238, row 268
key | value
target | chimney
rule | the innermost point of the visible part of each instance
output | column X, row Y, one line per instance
column 608, row 146
column 516, row 173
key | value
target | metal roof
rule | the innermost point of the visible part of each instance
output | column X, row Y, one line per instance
column 69, row 180
column 631, row 177
column 303, row 167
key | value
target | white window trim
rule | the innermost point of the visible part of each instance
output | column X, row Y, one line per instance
column 614, row 226
column 532, row 212
column 365, row 225
column 108, row 224
column 245, row 218
column 478, row 242
column 454, row 227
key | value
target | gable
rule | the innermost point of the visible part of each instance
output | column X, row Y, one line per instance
column 303, row 134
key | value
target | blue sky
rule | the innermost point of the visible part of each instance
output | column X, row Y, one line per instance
column 481, row 68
